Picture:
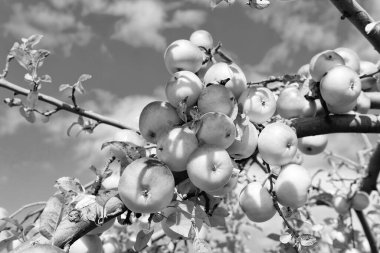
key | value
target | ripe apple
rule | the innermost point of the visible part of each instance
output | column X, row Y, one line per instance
column 366, row 68
column 111, row 245
column 341, row 204
column 209, row 167
column 363, row 103
column 216, row 98
column 216, row 129
column 322, row 62
column 341, row 109
column 350, row 57
column 175, row 147
column 360, row 201
column 291, row 103
column 87, row 244
column 258, row 103
column 104, row 227
column 304, row 71
column 146, row 186
column 183, row 55
column 202, row 38
column 341, row 86
column 292, row 185
column 45, row 248
column 312, row 145
column 183, row 84
column 298, row 158
column 229, row 186
column 277, row 144
column 126, row 135
column 221, row 71
column 245, row 146
column 157, row 118
column 256, row 202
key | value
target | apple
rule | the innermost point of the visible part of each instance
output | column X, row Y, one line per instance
column 341, row 86
column 126, row 135
column 341, row 204
column 229, row 186
column 183, row 85
column 146, row 186
column 322, row 62
column 102, row 228
column 350, row 57
column 291, row 103
column 209, row 167
column 342, row 109
column 202, row 38
column 304, row 71
column 292, row 185
column 312, row 145
column 367, row 68
column 157, row 118
column 360, row 201
column 111, row 245
column 216, row 129
column 87, row 244
column 45, row 248
column 221, row 71
column 298, row 158
column 256, row 202
column 175, row 147
column 277, row 144
column 258, row 103
column 245, row 146
column 216, row 98
column 363, row 103
column 183, row 55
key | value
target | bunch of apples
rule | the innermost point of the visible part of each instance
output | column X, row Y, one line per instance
column 208, row 123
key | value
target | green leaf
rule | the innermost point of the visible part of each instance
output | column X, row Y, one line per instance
column 33, row 40
column 142, row 239
column 274, row 237
column 27, row 114
column 52, row 215
column 307, row 240
column 46, row 79
column 32, row 99
column 69, row 185
column 84, row 77
column 186, row 187
column 63, row 87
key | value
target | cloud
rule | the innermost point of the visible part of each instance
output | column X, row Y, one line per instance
column 60, row 29
column 189, row 18
column 11, row 121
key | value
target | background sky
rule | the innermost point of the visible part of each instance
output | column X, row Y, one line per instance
column 121, row 44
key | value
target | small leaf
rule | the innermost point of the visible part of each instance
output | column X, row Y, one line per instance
column 201, row 214
column 185, row 187
column 80, row 120
column 52, row 214
column 274, row 237
column 69, row 185
column 27, row 114
column 79, row 88
column 201, row 246
column 85, row 201
column 285, row 238
column 23, row 58
column 63, row 87
column 84, row 77
column 371, row 27
column 31, row 99
column 180, row 222
column 142, row 239
column 46, row 79
column 307, row 240
column 33, row 40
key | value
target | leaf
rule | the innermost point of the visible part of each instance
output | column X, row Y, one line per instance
column 27, row 114
column 142, row 239
column 260, row 4
column 52, row 214
column 31, row 99
column 23, row 58
column 46, row 79
column 85, row 201
column 63, row 87
column 33, row 40
column 274, row 237
column 307, row 240
column 201, row 246
column 80, row 120
column 285, row 238
column 180, row 222
column 186, row 187
column 371, row 27
column 69, row 185
column 79, row 88
column 201, row 215
column 84, row 77
column 28, row 77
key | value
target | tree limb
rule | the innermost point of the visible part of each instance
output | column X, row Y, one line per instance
column 352, row 10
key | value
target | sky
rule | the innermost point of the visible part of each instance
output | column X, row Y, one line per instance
column 121, row 44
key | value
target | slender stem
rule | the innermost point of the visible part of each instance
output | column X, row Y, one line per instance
column 287, row 224
column 26, row 207
column 65, row 106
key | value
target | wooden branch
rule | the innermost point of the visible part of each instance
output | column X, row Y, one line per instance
column 65, row 106
column 345, row 123
column 352, row 10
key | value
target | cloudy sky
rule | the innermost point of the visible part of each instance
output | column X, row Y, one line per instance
column 121, row 44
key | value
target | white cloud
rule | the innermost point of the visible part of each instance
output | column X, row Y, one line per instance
column 189, row 18
column 11, row 120
column 60, row 29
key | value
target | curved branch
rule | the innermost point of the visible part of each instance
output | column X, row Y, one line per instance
column 345, row 123
column 360, row 19
column 64, row 106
